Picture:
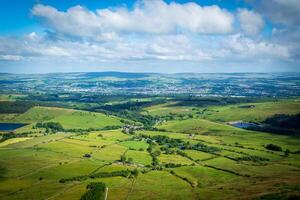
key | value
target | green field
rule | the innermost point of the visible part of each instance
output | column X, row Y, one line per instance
column 228, row 163
column 258, row 113
column 69, row 119
column 167, row 108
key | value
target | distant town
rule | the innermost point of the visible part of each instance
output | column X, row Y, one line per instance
column 118, row 83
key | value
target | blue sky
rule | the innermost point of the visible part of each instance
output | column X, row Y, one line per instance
column 40, row 36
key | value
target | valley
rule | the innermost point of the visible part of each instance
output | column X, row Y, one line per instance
column 148, row 147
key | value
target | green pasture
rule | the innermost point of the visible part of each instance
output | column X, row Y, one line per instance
column 70, row 119
column 110, row 153
column 196, row 126
column 258, row 113
column 135, row 145
column 139, row 157
column 160, row 185
column 166, row 109
column 176, row 159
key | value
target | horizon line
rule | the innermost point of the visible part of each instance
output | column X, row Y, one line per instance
column 130, row 72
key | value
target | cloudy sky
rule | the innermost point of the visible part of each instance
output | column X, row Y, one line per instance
column 39, row 36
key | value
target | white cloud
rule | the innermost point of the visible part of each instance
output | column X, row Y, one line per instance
column 11, row 58
column 147, row 16
column 158, row 47
column 167, row 47
column 178, row 47
column 244, row 48
column 250, row 22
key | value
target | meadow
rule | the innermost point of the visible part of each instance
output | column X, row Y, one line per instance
column 195, row 154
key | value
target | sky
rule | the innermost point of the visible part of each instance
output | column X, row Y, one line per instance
column 167, row 36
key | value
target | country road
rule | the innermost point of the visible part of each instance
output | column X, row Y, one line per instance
column 106, row 192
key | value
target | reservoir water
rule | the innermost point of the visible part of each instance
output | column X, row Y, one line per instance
column 10, row 126
column 243, row 124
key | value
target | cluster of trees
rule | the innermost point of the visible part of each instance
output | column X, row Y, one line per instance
column 50, row 126
column 95, row 191
column 252, row 158
column 124, row 159
column 78, row 130
column 153, row 154
column 171, row 142
column 112, row 127
column 273, row 147
column 6, row 136
column 172, row 165
column 148, row 121
column 177, row 143
column 202, row 147
column 123, row 173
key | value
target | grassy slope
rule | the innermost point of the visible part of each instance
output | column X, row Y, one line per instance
column 41, row 114
column 256, row 114
column 82, row 119
column 195, row 126
column 70, row 119
column 212, row 132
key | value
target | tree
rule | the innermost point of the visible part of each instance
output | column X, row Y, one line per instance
column 123, row 158
column 130, row 160
column 273, row 147
column 287, row 152
column 156, row 153
column 94, row 191
column 155, row 161
column 135, row 172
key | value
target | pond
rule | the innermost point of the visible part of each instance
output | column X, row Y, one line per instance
column 10, row 126
column 243, row 124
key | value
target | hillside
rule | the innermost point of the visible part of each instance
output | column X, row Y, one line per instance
column 68, row 118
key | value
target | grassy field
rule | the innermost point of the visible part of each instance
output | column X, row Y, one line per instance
column 257, row 112
column 195, row 126
column 135, row 145
column 68, row 118
column 233, row 163
column 167, row 108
